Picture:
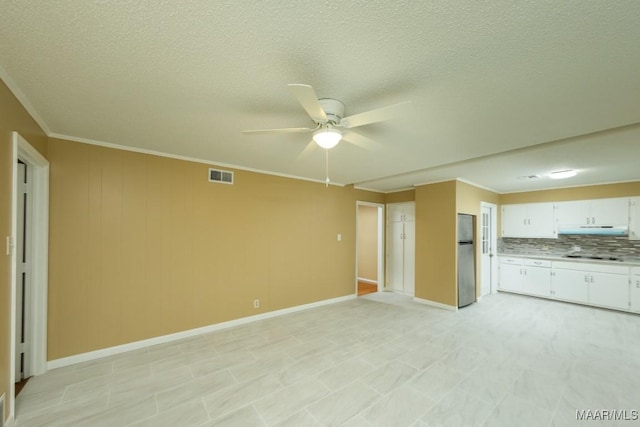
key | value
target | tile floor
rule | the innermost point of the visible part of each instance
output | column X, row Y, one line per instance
column 379, row 360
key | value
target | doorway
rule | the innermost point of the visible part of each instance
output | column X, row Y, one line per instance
column 488, row 243
column 28, row 248
column 369, row 247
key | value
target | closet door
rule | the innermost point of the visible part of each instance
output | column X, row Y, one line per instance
column 395, row 256
column 409, row 257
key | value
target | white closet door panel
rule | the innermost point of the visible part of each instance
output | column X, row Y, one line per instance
column 409, row 257
column 395, row 256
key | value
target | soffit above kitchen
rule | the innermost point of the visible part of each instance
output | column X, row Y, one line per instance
column 498, row 91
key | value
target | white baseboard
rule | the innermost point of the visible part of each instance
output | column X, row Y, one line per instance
column 435, row 304
column 362, row 279
column 105, row 352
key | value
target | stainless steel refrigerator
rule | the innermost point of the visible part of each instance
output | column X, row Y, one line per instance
column 466, row 261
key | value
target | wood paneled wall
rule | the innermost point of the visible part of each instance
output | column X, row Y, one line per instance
column 143, row 246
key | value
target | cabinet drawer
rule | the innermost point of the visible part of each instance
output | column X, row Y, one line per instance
column 509, row 260
column 537, row 263
column 593, row 268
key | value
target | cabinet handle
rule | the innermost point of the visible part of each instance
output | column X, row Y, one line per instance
column 593, row 220
column 586, row 279
column 524, row 221
column 591, row 279
column 588, row 221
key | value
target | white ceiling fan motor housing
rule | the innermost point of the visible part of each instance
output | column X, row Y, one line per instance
column 333, row 108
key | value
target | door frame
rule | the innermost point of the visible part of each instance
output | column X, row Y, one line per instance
column 494, row 245
column 38, row 253
column 380, row 251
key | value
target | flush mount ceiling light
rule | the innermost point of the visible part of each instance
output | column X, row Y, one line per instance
column 327, row 137
column 562, row 174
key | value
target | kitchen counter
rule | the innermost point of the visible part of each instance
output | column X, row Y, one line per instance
column 629, row 261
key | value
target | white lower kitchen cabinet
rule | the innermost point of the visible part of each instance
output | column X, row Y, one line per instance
column 609, row 290
column 634, row 288
column 537, row 278
column 510, row 277
column 570, row 285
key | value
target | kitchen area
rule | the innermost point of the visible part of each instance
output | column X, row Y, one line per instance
column 578, row 251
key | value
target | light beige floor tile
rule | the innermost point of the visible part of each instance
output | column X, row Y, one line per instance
column 401, row 407
column 458, row 409
column 513, row 411
column 191, row 414
column 243, row 417
column 435, row 382
column 341, row 405
column 239, row 395
column 539, row 389
column 194, row 389
column 389, row 377
column 302, row 418
column 344, row 373
column 279, row 405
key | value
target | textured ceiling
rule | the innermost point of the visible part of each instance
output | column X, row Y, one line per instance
column 484, row 78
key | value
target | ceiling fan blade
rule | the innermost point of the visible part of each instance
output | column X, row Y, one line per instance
column 310, row 148
column 374, row 116
column 309, row 101
column 360, row 141
column 283, row 130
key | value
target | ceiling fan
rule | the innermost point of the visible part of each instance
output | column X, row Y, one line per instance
column 330, row 125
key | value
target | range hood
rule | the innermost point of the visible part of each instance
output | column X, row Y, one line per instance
column 595, row 230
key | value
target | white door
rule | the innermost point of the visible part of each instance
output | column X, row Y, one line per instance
column 22, row 315
column 486, row 250
column 395, row 256
column 409, row 257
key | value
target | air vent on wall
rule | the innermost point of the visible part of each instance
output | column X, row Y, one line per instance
column 224, row 177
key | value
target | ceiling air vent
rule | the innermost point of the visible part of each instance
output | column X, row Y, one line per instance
column 224, row 177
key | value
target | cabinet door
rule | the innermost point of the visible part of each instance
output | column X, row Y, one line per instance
column 570, row 285
column 514, row 221
column 395, row 256
column 537, row 281
column 404, row 211
column 511, row 277
column 635, row 293
column 573, row 213
column 610, row 211
column 409, row 257
column 609, row 290
column 634, row 219
column 541, row 220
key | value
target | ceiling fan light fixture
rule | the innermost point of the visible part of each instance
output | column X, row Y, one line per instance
column 327, row 137
column 562, row 174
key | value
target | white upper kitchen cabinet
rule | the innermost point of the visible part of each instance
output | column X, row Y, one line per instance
column 528, row 220
column 593, row 212
column 399, row 212
column 634, row 219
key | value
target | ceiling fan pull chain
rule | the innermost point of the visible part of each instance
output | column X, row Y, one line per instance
column 326, row 167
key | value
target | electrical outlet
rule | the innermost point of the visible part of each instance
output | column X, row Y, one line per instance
column 256, row 303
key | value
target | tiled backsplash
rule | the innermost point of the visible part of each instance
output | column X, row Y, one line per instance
column 601, row 245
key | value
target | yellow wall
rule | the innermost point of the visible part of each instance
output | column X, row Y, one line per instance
column 142, row 246
column 435, row 242
column 468, row 201
column 574, row 193
column 437, row 206
column 400, row 196
column 13, row 117
column 368, row 242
